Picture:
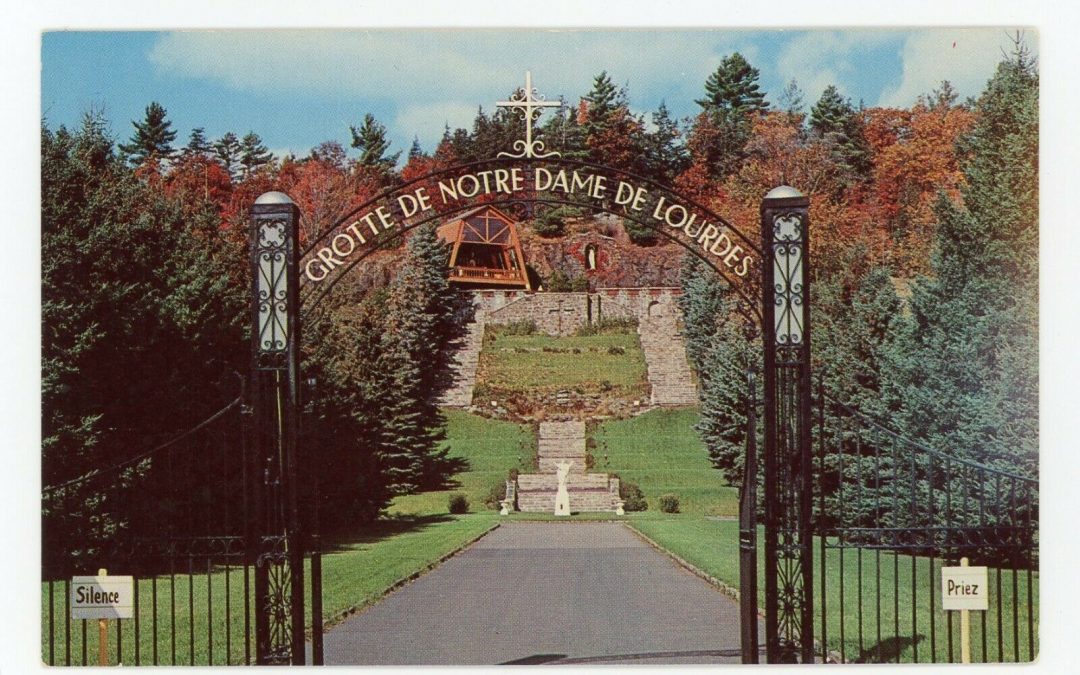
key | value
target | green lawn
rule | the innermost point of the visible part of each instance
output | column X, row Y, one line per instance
column 491, row 447
column 712, row 546
column 611, row 362
column 661, row 452
column 358, row 567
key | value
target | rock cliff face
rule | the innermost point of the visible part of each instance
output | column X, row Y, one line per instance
column 618, row 262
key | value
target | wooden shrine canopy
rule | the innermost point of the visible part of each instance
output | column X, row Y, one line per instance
column 486, row 250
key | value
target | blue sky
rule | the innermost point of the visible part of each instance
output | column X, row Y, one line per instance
column 297, row 88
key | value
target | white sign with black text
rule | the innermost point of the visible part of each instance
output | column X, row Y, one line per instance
column 964, row 588
column 104, row 597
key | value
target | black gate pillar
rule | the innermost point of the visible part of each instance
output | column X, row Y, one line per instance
column 789, row 623
column 275, row 391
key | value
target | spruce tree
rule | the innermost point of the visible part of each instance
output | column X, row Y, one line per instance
column 153, row 137
column 721, row 348
column 666, row 154
column 415, row 151
column 965, row 374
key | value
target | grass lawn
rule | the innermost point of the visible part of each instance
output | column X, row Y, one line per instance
column 358, row 567
column 712, row 546
column 491, row 447
column 611, row 362
column 661, row 452
column 357, row 570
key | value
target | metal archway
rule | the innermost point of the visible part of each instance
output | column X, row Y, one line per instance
column 280, row 302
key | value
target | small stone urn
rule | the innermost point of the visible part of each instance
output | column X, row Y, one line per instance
column 619, row 508
column 505, row 511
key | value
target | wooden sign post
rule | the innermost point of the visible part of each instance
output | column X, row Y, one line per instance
column 964, row 589
column 103, row 632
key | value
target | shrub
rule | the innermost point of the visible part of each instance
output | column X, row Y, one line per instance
column 669, row 503
column 640, row 234
column 519, row 327
column 616, row 350
column 458, row 504
column 632, row 496
column 495, row 495
column 606, row 326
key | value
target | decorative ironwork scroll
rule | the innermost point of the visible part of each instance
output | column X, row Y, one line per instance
column 788, row 479
column 275, row 536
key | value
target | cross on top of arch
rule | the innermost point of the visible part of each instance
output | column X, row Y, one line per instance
column 530, row 104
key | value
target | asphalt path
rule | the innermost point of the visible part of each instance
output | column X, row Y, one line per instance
column 534, row 593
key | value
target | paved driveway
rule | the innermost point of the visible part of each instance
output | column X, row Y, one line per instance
column 547, row 593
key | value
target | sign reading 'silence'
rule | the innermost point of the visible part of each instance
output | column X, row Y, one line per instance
column 714, row 239
column 102, row 597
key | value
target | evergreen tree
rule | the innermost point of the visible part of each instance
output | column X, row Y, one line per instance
column 563, row 133
column 733, row 87
column 415, row 151
column 602, row 100
column 720, row 347
column 791, row 100
column 228, row 151
column 141, row 313
column 666, row 153
column 421, row 314
column 732, row 99
column 153, row 137
column 197, row 145
column 370, row 139
column 835, row 121
column 965, row 374
column 253, row 154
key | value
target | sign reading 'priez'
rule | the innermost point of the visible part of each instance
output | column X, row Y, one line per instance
column 715, row 239
column 964, row 588
column 102, row 597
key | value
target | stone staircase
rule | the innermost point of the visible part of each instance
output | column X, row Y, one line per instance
column 464, row 364
column 565, row 442
column 665, row 359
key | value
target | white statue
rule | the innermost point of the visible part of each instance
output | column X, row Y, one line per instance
column 562, row 496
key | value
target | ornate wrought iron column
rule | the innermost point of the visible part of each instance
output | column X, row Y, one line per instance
column 789, row 624
column 275, row 391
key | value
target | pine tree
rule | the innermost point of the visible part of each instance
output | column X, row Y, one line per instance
column 228, row 151
column 721, row 132
column 253, row 154
column 836, row 122
column 370, row 139
column 197, row 145
column 153, row 137
column 733, row 87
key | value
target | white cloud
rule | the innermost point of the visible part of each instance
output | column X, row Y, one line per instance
column 966, row 57
column 817, row 59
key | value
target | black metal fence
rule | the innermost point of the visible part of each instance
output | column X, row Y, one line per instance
column 177, row 518
column 889, row 514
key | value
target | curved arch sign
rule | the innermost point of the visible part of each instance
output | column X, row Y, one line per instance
column 548, row 181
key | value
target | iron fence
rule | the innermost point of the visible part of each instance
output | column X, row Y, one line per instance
column 889, row 514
